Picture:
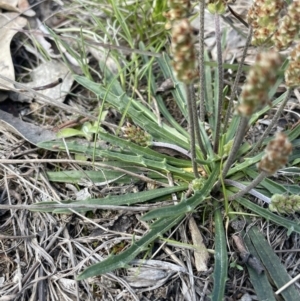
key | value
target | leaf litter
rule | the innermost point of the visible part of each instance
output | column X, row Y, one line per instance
column 41, row 254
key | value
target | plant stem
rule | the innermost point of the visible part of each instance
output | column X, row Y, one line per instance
column 236, row 144
column 247, row 189
column 235, row 147
column 252, row 191
column 191, row 130
column 201, row 61
column 237, row 79
column 220, row 84
column 270, row 126
column 196, row 121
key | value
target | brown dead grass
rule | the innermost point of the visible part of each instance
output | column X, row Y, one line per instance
column 41, row 254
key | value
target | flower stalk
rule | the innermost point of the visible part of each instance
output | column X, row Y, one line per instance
column 184, row 66
column 237, row 79
column 220, row 83
column 201, row 60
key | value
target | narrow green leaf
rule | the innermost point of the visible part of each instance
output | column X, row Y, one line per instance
column 140, row 114
column 97, row 177
column 163, row 62
column 69, row 132
column 232, row 128
column 293, row 189
column 88, row 176
column 179, row 91
column 273, row 265
column 243, row 166
column 261, row 284
column 279, row 220
column 221, row 257
column 143, row 151
column 121, row 260
column 293, row 171
column 127, row 199
column 206, row 142
column 159, row 163
column 296, row 142
column 294, row 133
column 186, row 205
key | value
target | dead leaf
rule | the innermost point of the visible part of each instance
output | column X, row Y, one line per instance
column 167, row 85
column 24, row 7
column 101, row 55
column 9, row 25
column 201, row 254
column 30, row 132
column 10, row 5
column 44, row 74
column 151, row 273
column 18, row 6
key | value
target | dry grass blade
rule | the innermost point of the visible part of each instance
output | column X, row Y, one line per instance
column 77, row 207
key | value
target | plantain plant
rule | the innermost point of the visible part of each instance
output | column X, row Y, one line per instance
column 215, row 161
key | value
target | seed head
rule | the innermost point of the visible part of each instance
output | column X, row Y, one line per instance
column 184, row 57
column 260, row 78
column 276, row 154
column 286, row 204
column 289, row 27
column 263, row 16
column 292, row 73
column 136, row 134
column 179, row 9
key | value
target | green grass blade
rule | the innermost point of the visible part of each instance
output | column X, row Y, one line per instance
column 160, row 164
column 206, row 141
column 178, row 93
column 233, row 125
column 88, row 176
column 141, row 115
column 221, row 257
column 292, row 189
column 247, row 163
column 294, row 158
column 261, row 284
column 268, row 215
column 127, row 199
column 273, row 265
column 151, row 79
column 104, row 175
column 294, row 133
column 186, row 205
column 121, row 260
column 143, row 151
